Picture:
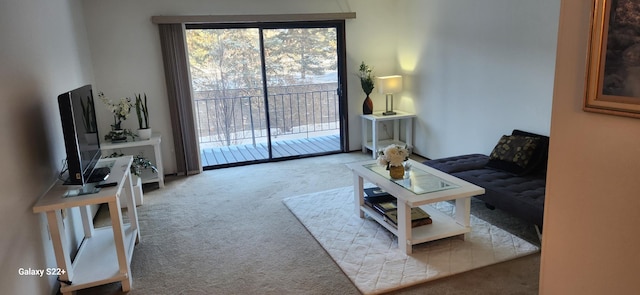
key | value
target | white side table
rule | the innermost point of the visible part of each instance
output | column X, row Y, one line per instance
column 153, row 141
column 374, row 143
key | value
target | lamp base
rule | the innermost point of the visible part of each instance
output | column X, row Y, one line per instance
column 389, row 110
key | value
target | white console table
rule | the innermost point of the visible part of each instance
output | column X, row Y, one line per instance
column 374, row 144
column 105, row 253
column 154, row 141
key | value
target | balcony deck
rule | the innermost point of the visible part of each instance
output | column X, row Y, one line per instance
column 226, row 155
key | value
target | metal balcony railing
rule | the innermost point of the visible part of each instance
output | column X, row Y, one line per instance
column 301, row 111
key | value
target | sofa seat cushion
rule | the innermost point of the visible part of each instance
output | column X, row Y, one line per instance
column 523, row 196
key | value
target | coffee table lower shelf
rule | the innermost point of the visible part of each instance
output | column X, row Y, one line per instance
column 443, row 226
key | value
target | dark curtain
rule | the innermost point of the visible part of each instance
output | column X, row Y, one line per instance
column 176, row 68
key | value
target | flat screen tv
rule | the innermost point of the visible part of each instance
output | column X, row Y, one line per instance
column 81, row 140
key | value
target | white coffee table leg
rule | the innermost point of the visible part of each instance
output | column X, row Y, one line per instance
column 358, row 193
column 404, row 228
column 463, row 213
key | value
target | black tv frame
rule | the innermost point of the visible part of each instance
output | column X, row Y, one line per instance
column 82, row 146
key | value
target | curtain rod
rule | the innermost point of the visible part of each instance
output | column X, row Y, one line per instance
column 195, row 19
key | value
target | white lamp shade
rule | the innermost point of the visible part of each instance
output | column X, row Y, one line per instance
column 390, row 84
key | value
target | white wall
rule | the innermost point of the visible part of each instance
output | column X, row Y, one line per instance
column 473, row 70
column 44, row 52
column 126, row 54
column 476, row 70
column 591, row 240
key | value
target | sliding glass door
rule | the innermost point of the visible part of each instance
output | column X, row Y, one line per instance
column 265, row 92
column 228, row 93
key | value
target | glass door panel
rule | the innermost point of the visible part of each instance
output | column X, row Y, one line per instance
column 226, row 75
column 301, row 67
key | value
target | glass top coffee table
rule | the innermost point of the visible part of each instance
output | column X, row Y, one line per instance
column 423, row 186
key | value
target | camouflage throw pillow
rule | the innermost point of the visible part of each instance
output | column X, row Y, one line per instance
column 515, row 149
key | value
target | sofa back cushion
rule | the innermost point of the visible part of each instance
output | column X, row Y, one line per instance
column 540, row 155
column 520, row 153
column 459, row 163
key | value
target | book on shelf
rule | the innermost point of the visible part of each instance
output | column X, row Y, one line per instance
column 418, row 217
column 389, row 211
column 381, row 208
column 385, row 207
column 377, row 195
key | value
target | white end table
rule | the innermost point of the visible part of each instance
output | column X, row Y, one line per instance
column 154, row 141
column 374, row 144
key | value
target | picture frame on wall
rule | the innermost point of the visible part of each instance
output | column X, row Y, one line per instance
column 613, row 67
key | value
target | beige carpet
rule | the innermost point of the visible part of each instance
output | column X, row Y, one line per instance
column 369, row 254
column 227, row 231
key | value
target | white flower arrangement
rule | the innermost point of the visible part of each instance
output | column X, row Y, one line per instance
column 120, row 110
column 393, row 155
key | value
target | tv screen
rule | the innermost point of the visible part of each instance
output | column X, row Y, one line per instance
column 81, row 140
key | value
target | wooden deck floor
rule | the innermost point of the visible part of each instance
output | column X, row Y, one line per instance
column 286, row 148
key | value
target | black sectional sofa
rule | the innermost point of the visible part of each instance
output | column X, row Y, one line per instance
column 513, row 175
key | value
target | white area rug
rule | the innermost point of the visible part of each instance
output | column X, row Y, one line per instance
column 368, row 254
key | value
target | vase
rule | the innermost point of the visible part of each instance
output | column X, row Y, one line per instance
column 367, row 106
column 396, row 172
column 116, row 124
column 144, row 134
column 117, row 135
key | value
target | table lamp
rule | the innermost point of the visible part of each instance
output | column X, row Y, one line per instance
column 389, row 85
